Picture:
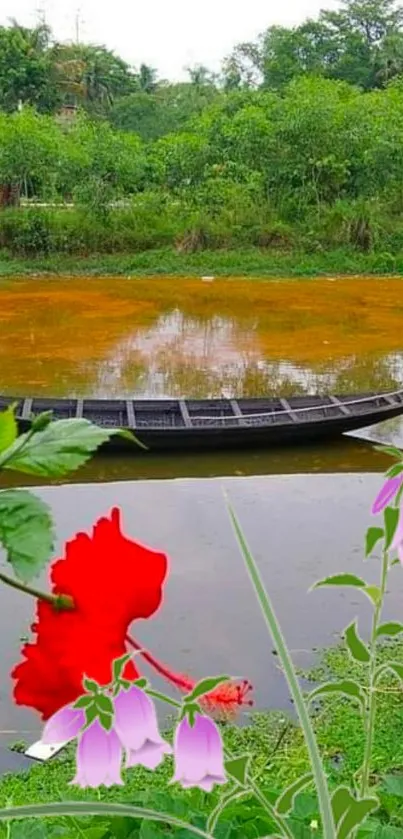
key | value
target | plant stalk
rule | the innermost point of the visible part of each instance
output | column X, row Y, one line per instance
column 371, row 714
column 328, row 825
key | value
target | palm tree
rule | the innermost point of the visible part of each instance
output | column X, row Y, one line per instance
column 147, row 78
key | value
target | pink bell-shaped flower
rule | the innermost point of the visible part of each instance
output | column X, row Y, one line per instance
column 137, row 728
column 98, row 758
column 64, row 726
column 199, row 756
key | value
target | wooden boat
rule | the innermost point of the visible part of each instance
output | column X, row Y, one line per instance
column 208, row 424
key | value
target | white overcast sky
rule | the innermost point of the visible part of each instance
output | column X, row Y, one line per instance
column 167, row 34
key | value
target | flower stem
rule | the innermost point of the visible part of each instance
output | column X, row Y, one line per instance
column 157, row 695
column 58, row 601
column 328, row 825
column 371, row 713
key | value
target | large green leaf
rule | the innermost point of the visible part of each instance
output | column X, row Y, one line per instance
column 60, row 448
column 238, row 768
column 26, row 532
column 341, row 580
column 356, row 815
column 8, row 428
column 346, row 687
column 372, row 537
column 286, row 800
column 356, row 646
column 392, row 628
column 391, row 516
column 341, row 802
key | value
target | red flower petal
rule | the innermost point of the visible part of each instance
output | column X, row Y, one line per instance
column 112, row 581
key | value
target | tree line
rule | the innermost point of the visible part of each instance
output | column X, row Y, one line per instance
column 298, row 143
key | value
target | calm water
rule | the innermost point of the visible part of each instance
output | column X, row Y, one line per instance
column 177, row 337
column 153, row 337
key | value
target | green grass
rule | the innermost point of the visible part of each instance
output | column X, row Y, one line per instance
column 251, row 262
column 279, row 756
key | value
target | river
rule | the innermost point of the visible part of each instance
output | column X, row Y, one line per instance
column 305, row 511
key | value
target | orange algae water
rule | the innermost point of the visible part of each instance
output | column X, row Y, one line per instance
column 121, row 337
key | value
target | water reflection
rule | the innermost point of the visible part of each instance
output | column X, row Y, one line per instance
column 180, row 337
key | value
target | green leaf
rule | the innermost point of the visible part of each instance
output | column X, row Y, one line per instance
column 238, row 769
column 356, row 647
column 341, row 802
column 372, row 537
column 90, row 685
column 394, row 471
column 91, row 714
column 305, row 806
column 62, row 447
column 83, row 702
column 106, row 721
column 119, row 665
column 341, row 580
column 374, row 593
column 189, row 710
column 8, row 428
column 285, row 802
column 26, row 532
column 391, row 516
column 140, row 683
column 392, row 450
column 104, row 703
column 128, row 435
column 393, row 784
column 356, row 815
column 391, row 628
column 206, row 686
column 346, row 687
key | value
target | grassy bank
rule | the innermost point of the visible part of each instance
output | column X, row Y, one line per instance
column 279, row 757
column 252, row 262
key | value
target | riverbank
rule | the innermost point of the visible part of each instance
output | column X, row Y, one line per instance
column 251, row 262
column 278, row 756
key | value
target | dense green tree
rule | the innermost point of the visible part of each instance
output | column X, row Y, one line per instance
column 361, row 43
column 30, row 151
column 100, row 165
column 25, row 68
column 166, row 111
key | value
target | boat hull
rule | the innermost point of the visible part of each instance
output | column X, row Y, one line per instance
column 222, row 424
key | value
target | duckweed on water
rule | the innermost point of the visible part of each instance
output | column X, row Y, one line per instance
column 279, row 756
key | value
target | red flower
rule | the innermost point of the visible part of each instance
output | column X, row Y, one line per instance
column 112, row 581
